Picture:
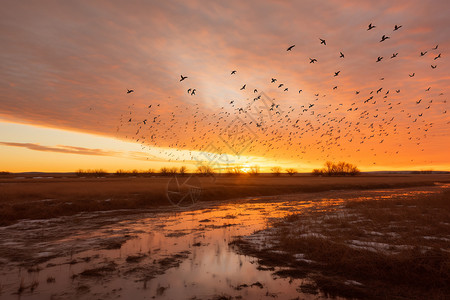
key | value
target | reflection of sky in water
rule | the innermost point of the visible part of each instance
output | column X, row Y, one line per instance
column 210, row 267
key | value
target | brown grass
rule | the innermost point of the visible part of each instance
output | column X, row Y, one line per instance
column 410, row 261
column 45, row 198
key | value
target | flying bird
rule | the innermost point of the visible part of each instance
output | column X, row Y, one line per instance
column 394, row 55
column 280, row 85
column 243, row 87
column 233, row 72
column 384, row 37
column 342, row 55
column 336, row 73
column 299, row 91
column 397, row 27
column 322, row 41
column 379, row 58
column 435, row 47
column 255, row 91
column 433, row 67
column 130, row 91
column 290, row 48
column 371, row 26
column 423, row 53
column 312, row 60
column 412, row 75
column 273, row 80
column 439, row 56
column 183, row 77
column 193, row 92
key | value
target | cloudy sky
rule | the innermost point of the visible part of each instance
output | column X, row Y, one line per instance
column 66, row 67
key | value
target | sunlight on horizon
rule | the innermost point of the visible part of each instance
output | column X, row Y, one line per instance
column 56, row 150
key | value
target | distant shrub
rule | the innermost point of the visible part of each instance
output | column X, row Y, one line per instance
column 235, row 171
column 291, row 171
column 173, row 171
column 183, row 170
column 164, row 171
column 4, row 173
column 121, row 173
column 134, row 172
column 254, row 171
column 317, row 172
column 337, row 169
column 91, row 173
column 276, row 171
column 205, row 170
column 422, row 172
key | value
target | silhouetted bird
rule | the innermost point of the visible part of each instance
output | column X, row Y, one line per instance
column 423, row 53
column 433, row 67
column 286, row 89
column 130, row 91
column 243, row 87
column 435, row 47
column 342, row 55
column 189, row 91
column 255, row 91
column 379, row 58
column 397, row 27
column 193, row 92
column 383, row 38
column 233, row 72
column 183, row 77
column 439, row 56
column 412, row 75
column 336, row 73
column 312, row 60
column 322, row 41
column 371, row 26
column 299, row 91
column 290, row 48
column 273, row 80
column 394, row 55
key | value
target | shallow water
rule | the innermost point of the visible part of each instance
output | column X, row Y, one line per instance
column 169, row 253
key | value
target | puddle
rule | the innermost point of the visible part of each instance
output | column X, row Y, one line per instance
column 157, row 253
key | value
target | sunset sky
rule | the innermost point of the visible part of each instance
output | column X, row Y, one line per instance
column 66, row 67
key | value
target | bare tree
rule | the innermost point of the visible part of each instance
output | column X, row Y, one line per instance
column 291, row 171
column 205, row 170
column 276, row 171
column 254, row 170
column 183, row 170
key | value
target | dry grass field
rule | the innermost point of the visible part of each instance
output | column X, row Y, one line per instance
column 50, row 196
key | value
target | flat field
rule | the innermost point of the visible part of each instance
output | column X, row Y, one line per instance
column 52, row 195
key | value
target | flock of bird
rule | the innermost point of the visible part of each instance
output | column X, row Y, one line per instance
column 311, row 131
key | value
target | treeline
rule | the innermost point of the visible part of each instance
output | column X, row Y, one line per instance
column 337, row 169
column 182, row 171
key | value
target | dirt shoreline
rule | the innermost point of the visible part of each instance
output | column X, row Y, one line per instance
column 48, row 197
